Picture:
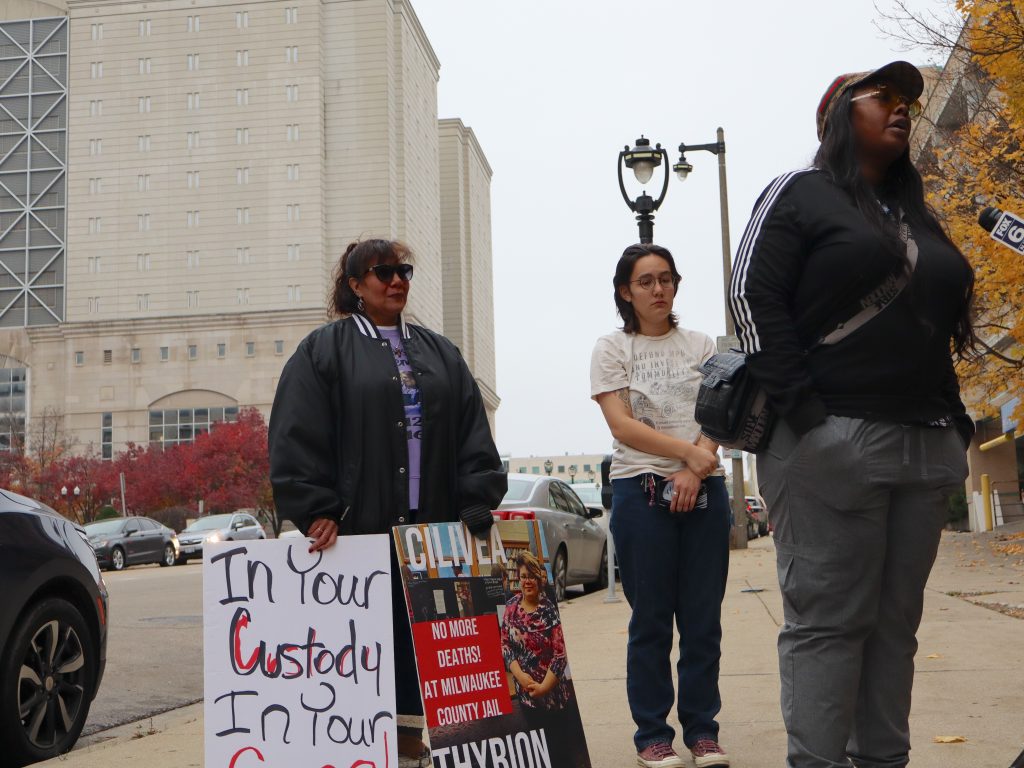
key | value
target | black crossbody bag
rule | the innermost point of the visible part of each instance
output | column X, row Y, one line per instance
column 732, row 408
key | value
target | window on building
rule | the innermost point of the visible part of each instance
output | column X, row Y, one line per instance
column 145, row 103
column 291, row 93
column 94, row 305
column 241, row 97
column 294, row 293
column 292, row 171
column 192, row 139
column 242, row 215
column 95, row 225
column 165, row 354
column 293, row 212
column 12, row 408
column 96, row 70
column 241, row 19
column 250, row 348
column 292, row 132
column 291, row 15
column 192, row 218
column 241, row 136
column 136, row 355
column 193, row 351
column 243, row 255
column 291, row 54
column 95, row 147
column 145, row 66
column 192, row 62
column 193, row 24
column 192, row 101
column 145, row 27
column 96, row 108
column 97, row 31
column 294, row 252
column 95, row 186
column 222, row 350
column 241, row 175
column 279, row 347
column 79, row 358
column 142, row 301
column 108, row 356
column 144, row 143
column 107, row 436
column 561, row 468
column 95, row 265
column 242, row 58
column 535, row 470
column 143, row 222
column 183, row 425
column 192, row 179
column 143, row 182
column 242, row 295
column 192, row 299
column 192, row 259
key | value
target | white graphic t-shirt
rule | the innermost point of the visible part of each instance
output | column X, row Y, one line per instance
column 662, row 377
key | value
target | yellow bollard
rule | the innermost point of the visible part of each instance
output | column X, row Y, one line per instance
column 986, row 495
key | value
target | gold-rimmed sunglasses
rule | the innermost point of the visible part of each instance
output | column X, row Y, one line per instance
column 890, row 98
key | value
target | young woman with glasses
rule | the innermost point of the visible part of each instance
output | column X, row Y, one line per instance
column 670, row 510
column 872, row 432
column 377, row 423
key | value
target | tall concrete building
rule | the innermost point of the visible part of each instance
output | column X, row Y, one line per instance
column 219, row 157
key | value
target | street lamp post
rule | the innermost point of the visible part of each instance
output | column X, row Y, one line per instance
column 548, row 466
column 572, row 474
column 642, row 160
column 637, row 157
column 74, row 494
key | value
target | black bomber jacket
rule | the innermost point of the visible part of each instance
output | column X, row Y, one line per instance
column 338, row 439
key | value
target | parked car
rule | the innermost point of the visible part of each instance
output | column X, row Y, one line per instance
column 123, row 541
column 757, row 511
column 577, row 545
column 233, row 526
column 590, row 495
column 53, row 631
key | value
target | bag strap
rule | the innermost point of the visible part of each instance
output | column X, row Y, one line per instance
column 881, row 297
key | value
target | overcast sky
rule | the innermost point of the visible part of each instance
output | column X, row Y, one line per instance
column 555, row 88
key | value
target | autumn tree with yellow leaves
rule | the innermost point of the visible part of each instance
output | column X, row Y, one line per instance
column 978, row 161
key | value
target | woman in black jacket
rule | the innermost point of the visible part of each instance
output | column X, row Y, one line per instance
column 872, row 432
column 378, row 423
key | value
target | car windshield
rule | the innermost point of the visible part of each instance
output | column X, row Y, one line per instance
column 518, row 490
column 104, row 527
column 209, row 523
column 588, row 495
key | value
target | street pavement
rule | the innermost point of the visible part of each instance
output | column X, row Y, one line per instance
column 968, row 696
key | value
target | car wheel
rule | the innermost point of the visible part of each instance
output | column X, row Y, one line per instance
column 168, row 558
column 560, row 571
column 601, row 582
column 117, row 559
column 47, row 678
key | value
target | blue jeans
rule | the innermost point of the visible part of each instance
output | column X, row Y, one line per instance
column 673, row 567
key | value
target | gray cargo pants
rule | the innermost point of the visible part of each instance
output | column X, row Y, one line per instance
column 858, row 507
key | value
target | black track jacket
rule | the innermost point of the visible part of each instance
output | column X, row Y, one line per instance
column 338, row 438
column 807, row 257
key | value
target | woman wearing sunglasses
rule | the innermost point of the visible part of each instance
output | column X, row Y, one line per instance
column 377, row 423
column 871, row 439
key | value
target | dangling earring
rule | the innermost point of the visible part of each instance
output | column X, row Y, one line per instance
column 359, row 304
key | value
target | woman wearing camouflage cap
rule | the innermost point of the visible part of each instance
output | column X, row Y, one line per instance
column 848, row 298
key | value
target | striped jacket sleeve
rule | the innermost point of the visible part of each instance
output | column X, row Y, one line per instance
column 765, row 275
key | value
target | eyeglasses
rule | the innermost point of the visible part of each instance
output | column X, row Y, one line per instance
column 386, row 272
column 890, row 99
column 665, row 280
column 534, row 579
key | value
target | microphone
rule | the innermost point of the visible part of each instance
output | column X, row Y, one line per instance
column 1003, row 227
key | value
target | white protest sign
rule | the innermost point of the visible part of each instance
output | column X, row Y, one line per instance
column 299, row 656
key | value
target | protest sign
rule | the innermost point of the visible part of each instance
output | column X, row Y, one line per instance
column 494, row 676
column 298, row 651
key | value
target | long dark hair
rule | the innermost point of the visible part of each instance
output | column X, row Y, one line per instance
column 354, row 262
column 902, row 189
column 624, row 273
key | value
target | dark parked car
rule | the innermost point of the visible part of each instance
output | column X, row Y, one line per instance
column 577, row 544
column 227, row 527
column 123, row 541
column 53, row 631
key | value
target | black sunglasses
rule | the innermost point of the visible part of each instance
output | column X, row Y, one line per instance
column 386, row 272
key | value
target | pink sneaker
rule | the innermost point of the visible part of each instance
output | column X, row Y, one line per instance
column 659, row 755
column 707, row 752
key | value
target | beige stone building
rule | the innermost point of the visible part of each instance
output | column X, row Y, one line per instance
column 219, row 157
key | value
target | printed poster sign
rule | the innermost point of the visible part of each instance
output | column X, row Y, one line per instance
column 299, row 656
column 494, row 675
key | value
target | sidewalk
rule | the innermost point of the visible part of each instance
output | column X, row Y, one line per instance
column 969, row 681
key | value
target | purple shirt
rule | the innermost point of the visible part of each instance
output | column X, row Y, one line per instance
column 413, row 412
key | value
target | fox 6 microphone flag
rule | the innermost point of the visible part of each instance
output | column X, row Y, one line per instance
column 1004, row 227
